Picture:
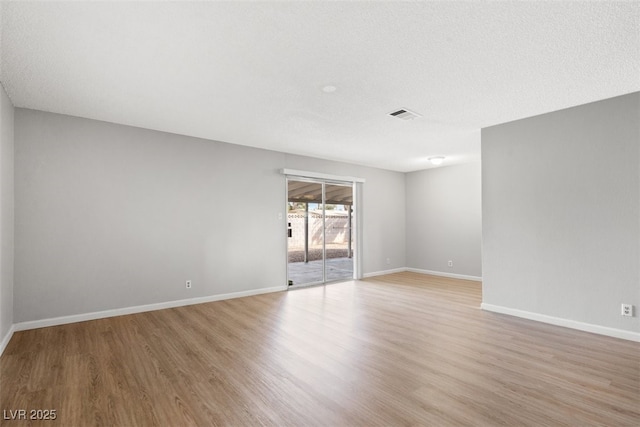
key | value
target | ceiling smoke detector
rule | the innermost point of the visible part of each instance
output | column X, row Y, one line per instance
column 405, row 114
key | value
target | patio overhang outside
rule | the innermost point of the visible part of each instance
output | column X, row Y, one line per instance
column 311, row 192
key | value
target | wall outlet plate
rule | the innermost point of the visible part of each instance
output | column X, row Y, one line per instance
column 188, row 283
column 626, row 310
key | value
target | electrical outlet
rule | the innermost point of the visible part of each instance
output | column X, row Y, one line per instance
column 188, row 284
column 627, row 310
column 450, row 263
column 388, row 261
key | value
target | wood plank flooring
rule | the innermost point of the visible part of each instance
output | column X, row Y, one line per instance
column 402, row 349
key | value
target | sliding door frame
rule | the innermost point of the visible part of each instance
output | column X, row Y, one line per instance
column 356, row 226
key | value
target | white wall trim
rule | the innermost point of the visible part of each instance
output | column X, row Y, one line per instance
column 6, row 339
column 43, row 323
column 443, row 274
column 382, row 273
column 567, row 323
column 320, row 175
column 417, row 270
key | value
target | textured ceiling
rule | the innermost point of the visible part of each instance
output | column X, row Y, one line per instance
column 252, row 73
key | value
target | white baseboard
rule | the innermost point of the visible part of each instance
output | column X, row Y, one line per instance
column 443, row 274
column 558, row 321
column 6, row 339
column 43, row 323
column 382, row 273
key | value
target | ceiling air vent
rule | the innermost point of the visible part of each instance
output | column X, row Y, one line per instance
column 405, row 114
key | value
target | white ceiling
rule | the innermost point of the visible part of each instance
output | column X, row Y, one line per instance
column 251, row 73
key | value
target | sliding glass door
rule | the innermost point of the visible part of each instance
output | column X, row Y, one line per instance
column 320, row 237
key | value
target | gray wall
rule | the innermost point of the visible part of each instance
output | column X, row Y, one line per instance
column 444, row 219
column 6, row 213
column 560, row 212
column 110, row 216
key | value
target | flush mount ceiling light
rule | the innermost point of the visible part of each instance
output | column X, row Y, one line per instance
column 436, row 160
column 329, row 89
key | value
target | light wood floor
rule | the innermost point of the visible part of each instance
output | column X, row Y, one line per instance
column 403, row 349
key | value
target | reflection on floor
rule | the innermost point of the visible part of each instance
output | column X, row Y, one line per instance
column 337, row 268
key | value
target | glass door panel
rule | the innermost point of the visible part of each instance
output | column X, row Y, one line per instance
column 338, row 232
column 305, row 223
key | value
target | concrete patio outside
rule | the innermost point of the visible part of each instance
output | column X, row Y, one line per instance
column 301, row 273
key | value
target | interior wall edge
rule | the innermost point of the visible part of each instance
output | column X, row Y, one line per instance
column 6, row 339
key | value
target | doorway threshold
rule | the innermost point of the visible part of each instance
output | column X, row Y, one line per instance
column 316, row 284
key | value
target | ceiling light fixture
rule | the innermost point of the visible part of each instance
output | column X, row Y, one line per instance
column 329, row 89
column 437, row 160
